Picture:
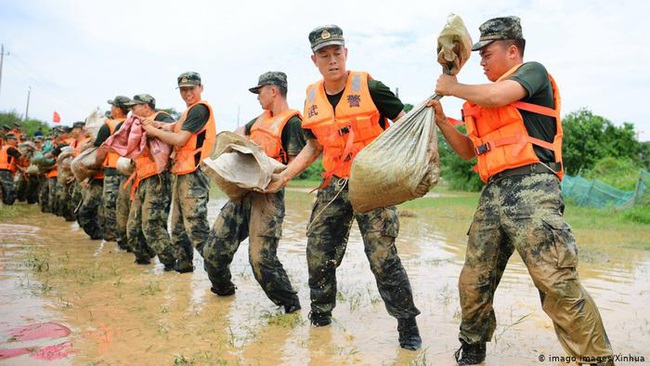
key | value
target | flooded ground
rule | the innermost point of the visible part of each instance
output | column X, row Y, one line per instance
column 54, row 278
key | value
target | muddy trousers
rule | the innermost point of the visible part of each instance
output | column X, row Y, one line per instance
column 189, row 215
column 257, row 217
column 52, row 192
column 110, row 192
column 327, row 237
column 525, row 213
column 89, row 215
column 147, row 224
column 122, row 207
column 43, row 195
column 8, row 187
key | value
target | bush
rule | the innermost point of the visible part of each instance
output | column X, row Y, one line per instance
column 638, row 214
column 313, row 172
column 621, row 173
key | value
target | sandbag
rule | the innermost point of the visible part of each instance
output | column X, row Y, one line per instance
column 94, row 122
column 63, row 161
column 399, row 165
column 83, row 166
column 238, row 165
column 125, row 166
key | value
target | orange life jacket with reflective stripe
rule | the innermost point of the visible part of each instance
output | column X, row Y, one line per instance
column 7, row 162
column 199, row 146
column 346, row 130
column 267, row 132
column 500, row 138
column 111, row 157
column 145, row 167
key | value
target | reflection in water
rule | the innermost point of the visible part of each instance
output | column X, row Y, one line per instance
column 122, row 313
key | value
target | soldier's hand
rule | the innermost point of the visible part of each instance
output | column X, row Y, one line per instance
column 277, row 183
column 446, row 84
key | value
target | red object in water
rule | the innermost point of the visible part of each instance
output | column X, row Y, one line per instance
column 15, row 352
column 53, row 352
column 38, row 331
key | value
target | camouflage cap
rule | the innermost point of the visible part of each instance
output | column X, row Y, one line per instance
column 143, row 99
column 270, row 78
column 326, row 35
column 11, row 135
column 66, row 129
column 5, row 127
column 497, row 29
column 120, row 101
column 79, row 124
column 189, row 78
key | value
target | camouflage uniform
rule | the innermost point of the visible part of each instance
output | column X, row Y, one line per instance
column 89, row 216
column 525, row 213
column 67, row 205
column 110, row 192
column 327, row 238
column 44, row 194
column 122, row 206
column 8, row 187
column 190, row 196
column 53, row 191
column 147, row 223
column 259, row 217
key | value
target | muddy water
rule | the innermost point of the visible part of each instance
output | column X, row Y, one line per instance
column 120, row 313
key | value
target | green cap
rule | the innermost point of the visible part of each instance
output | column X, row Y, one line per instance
column 326, row 35
column 120, row 101
column 144, row 99
column 66, row 129
column 11, row 135
column 189, row 78
column 79, row 124
column 6, row 128
column 270, row 78
column 498, row 29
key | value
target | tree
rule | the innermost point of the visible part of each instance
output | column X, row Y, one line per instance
column 589, row 138
column 456, row 171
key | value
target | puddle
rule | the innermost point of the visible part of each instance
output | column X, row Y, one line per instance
column 121, row 313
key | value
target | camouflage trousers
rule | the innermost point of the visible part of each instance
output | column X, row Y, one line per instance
column 525, row 213
column 122, row 207
column 147, row 224
column 32, row 188
column 89, row 217
column 8, row 187
column 257, row 217
column 67, row 205
column 189, row 215
column 44, row 193
column 109, row 204
column 53, row 191
column 327, row 238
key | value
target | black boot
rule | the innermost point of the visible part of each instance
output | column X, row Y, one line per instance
column 292, row 307
column 470, row 354
column 409, row 335
column 320, row 319
column 224, row 289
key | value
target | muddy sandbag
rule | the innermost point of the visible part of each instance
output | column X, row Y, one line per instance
column 63, row 162
column 94, row 122
column 238, row 165
column 125, row 166
column 399, row 165
column 83, row 166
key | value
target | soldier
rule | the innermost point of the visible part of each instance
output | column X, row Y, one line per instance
column 70, row 190
column 514, row 129
column 192, row 138
column 335, row 109
column 259, row 216
column 111, row 187
column 10, row 160
column 147, row 221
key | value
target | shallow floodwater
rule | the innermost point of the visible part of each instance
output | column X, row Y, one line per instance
column 53, row 277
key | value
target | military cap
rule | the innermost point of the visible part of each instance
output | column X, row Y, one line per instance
column 270, row 78
column 6, row 128
column 498, row 29
column 143, row 99
column 189, row 78
column 38, row 138
column 16, row 124
column 11, row 135
column 120, row 101
column 79, row 124
column 66, row 129
column 326, row 35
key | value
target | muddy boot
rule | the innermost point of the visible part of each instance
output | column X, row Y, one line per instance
column 223, row 289
column 320, row 319
column 409, row 335
column 293, row 307
column 143, row 261
column 470, row 354
column 184, row 267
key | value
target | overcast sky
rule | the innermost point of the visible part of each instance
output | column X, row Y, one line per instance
column 74, row 54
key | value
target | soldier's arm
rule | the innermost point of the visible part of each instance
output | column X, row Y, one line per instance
column 302, row 161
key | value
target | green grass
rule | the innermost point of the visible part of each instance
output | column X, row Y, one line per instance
column 8, row 212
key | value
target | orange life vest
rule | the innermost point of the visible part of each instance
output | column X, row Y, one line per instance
column 145, row 167
column 199, row 146
column 78, row 144
column 500, row 138
column 111, row 157
column 348, row 129
column 7, row 162
column 267, row 132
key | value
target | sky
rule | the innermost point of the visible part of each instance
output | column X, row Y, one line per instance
column 71, row 56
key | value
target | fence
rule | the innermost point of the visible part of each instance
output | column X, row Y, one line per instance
column 598, row 194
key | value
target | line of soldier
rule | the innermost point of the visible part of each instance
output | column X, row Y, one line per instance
column 343, row 112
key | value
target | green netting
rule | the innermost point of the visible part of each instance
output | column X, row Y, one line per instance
column 598, row 194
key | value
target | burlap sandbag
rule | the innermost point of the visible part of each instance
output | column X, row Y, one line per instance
column 63, row 164
column 399, row 165
column 83, row 166
column 238, row 165
column 125, row 166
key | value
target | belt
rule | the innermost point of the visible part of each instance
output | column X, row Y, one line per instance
column 537, row 168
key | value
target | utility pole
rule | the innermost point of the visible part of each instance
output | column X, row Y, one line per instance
column 2, row 57
column 29, row 90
